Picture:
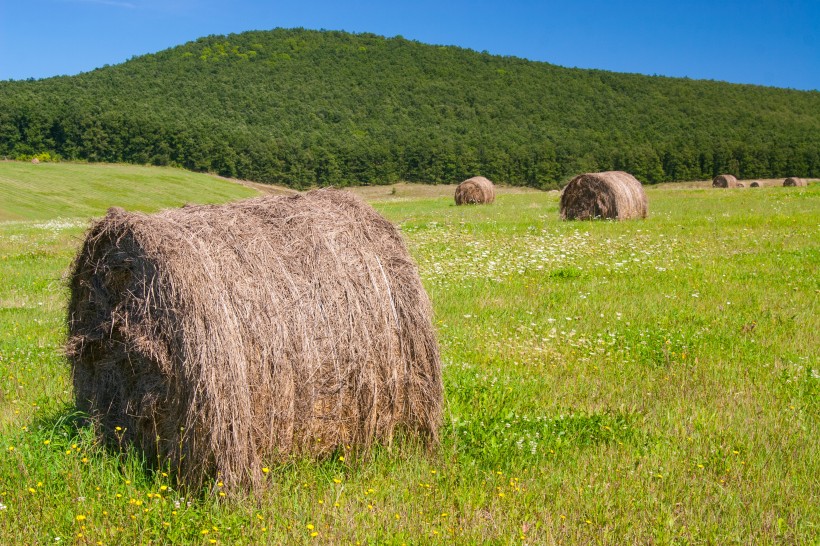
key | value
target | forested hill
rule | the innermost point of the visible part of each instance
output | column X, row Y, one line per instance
column 301, row 107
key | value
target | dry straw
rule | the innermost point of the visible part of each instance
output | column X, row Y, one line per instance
column 724, row 181
column 793, row 181
column 475, row 191
column 613, row 194
column 221, row 338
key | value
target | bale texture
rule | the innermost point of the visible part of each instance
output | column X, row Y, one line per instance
column 612, row 194
column 793, row 181
column 220, row 338
column 724, row 181
column 754, row 184
column 475, row 191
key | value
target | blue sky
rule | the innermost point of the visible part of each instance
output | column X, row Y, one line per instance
column 764, row 42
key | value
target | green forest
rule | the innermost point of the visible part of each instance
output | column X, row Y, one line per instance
column 304, row 108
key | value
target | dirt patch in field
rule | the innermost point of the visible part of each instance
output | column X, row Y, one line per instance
column 264, row 189
column 403, row 191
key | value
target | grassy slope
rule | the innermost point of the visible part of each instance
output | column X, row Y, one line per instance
column 638, row 382
column 52, row 190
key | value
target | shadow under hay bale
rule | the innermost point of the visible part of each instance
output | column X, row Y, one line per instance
column 612, row 194
column 794, row 181
column 220, row 338
column 724, row 181
column 475, row 191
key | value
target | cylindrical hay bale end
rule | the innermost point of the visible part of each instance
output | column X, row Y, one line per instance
column 475, row 191
column 724, row 181
column 794, row 181
column 216, row 339
column 613, row 194
column 754, row 184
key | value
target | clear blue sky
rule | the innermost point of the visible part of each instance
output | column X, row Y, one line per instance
column 765, row 42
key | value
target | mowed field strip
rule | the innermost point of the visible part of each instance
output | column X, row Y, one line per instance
column 649, row 381
column 50, row 190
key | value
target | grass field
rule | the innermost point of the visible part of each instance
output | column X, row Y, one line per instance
column 647, row 382
column 51, row 190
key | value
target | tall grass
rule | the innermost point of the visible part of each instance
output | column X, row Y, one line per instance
column 650, row 381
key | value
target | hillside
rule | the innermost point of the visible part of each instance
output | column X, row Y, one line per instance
column 300, row 107
column 48, row 191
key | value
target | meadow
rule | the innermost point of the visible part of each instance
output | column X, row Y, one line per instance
column 652, row 382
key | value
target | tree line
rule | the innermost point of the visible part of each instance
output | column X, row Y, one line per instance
column 304, row 108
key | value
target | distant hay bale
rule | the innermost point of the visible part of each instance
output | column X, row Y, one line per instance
column 754, row 184
column 475, row 191
column 740, row 185
column 220, row 338
column 794, row 181
column 724, row 181
column 613, row 194
column 35, row 161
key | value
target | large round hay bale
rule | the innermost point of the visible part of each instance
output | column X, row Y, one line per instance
column 794, row 181
column 220, row 338
column 613, row 194
column 724, row 181
column 475, row 191
column 754, row 184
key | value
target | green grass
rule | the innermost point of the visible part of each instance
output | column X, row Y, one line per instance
column 52, row 190
column 641, row 382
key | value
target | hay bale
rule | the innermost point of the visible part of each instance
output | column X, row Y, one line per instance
column 35, row 161
column 754, row 184
column 794, row 181
column 740, row 185
column 475, row 191
column 222, row 337
column 724, row 181
column 613, row 194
